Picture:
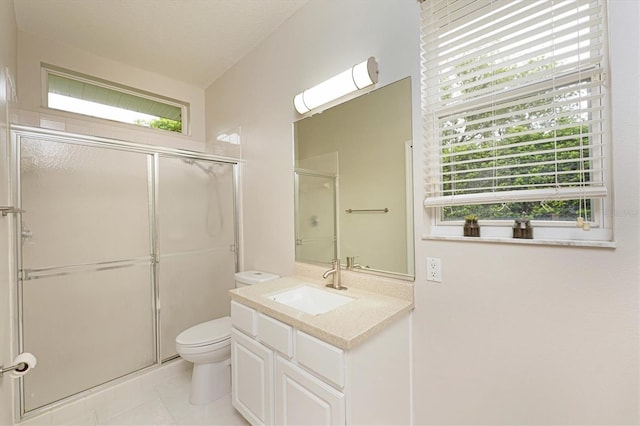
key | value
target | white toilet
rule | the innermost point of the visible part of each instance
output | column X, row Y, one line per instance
column 208, row 346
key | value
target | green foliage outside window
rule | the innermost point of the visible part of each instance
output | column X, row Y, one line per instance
column 529, row 167
column 162, row 123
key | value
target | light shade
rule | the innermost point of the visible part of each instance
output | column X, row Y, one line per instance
column 357, row 77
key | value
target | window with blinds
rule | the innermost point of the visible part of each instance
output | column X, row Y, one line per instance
column 514, row 105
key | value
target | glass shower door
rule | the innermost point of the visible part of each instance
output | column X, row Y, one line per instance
column 196, row 244
column 86, row 287
column 315, row 198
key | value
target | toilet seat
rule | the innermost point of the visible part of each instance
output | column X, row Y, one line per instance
column 206, row 333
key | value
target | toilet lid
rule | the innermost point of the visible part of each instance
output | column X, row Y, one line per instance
column 206, row 333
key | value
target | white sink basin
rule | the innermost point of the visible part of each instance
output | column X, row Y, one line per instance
column 311, row 300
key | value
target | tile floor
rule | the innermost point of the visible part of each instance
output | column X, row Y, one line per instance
column 160, row 397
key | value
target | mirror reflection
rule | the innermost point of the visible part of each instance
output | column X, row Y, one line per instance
column 353, row 183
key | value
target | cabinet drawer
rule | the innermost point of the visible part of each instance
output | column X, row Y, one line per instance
column 320, row 357
column 244, row 318
column 275, row 334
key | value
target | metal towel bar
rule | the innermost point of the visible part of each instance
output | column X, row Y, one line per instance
column 385, row 210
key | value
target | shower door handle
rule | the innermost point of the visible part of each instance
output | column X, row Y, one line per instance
column 6, row 210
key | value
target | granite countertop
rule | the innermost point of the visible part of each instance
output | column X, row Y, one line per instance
column 345, row 326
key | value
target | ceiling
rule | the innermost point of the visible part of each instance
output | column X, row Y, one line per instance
column 194, row 41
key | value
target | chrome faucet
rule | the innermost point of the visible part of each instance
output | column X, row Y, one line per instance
column 335, row 271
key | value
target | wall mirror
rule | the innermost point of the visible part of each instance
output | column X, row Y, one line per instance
column 353, row 183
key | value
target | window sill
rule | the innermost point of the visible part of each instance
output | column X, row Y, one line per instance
column 535, row 242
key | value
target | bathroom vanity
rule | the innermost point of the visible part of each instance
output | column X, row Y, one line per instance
column 349, row 365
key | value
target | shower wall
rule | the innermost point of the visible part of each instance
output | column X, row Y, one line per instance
column 123, row 247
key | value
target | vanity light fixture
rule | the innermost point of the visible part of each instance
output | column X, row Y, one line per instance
column 355, row 78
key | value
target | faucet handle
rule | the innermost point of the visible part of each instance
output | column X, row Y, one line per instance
column 351, row 263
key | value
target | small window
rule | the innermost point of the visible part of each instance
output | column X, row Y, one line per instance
column 81, row 94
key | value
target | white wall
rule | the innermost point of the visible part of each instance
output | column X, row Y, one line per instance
column 8, row 60
column 34, row 50
column 257, row 94
column 24, row 53
column 534, row 334
column 515, row 334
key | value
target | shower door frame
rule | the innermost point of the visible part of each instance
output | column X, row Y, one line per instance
column 153, row 152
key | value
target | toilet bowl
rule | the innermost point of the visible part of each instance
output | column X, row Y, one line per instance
column 208, row 346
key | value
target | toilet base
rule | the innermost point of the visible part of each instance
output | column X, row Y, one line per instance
column 210, row 382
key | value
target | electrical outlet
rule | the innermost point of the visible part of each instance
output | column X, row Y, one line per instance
column 434, row 271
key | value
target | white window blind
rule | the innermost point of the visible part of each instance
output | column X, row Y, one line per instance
column 513, row 97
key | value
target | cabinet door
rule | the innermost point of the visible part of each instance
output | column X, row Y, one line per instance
column 251, row 379
column 302, row 399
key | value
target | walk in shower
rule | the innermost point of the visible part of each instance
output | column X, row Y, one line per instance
column 120, row 247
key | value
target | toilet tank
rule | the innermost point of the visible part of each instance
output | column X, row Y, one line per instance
column 246, row 278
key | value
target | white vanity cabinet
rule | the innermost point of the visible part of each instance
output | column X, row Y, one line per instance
column 303, row 399
column 282, row 375
column 252, row 379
